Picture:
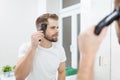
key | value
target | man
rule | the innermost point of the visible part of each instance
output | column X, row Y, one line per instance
column 42, row 57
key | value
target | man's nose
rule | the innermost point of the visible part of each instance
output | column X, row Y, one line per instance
column 57, row 30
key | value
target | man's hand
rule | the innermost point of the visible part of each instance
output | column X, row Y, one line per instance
column 61, row 71
column 88, row 46
column 36, row 37
column 89, row 42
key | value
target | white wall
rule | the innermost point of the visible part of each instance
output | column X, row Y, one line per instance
column 53, row 6
column 42, row 7
column 17, row 22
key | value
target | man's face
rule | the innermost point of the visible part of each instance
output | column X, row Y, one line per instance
column 117, row 4
column 51, row 33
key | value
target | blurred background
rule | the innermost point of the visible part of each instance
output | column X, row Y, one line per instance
column 17, row 23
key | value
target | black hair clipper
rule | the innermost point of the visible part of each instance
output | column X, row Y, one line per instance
column 43, row 27
column 107, row 20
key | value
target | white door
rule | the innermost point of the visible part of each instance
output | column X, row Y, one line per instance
column 70, row 27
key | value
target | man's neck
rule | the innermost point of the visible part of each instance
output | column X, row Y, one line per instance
column 46, row 44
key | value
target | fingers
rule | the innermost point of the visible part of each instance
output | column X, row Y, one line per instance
column 37, row 36
column 103, row 32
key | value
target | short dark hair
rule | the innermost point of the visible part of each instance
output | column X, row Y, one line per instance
column 44, row 19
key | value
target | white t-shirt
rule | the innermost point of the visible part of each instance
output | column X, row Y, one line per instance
column 46, row 61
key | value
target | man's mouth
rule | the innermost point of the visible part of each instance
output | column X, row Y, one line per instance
column 55, row 35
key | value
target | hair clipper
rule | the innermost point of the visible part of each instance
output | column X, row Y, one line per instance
column 43, row 28
column 107, row 20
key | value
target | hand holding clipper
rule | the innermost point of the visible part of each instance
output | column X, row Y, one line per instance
column 107, row 20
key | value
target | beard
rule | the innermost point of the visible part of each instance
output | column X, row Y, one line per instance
column 51, row 38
